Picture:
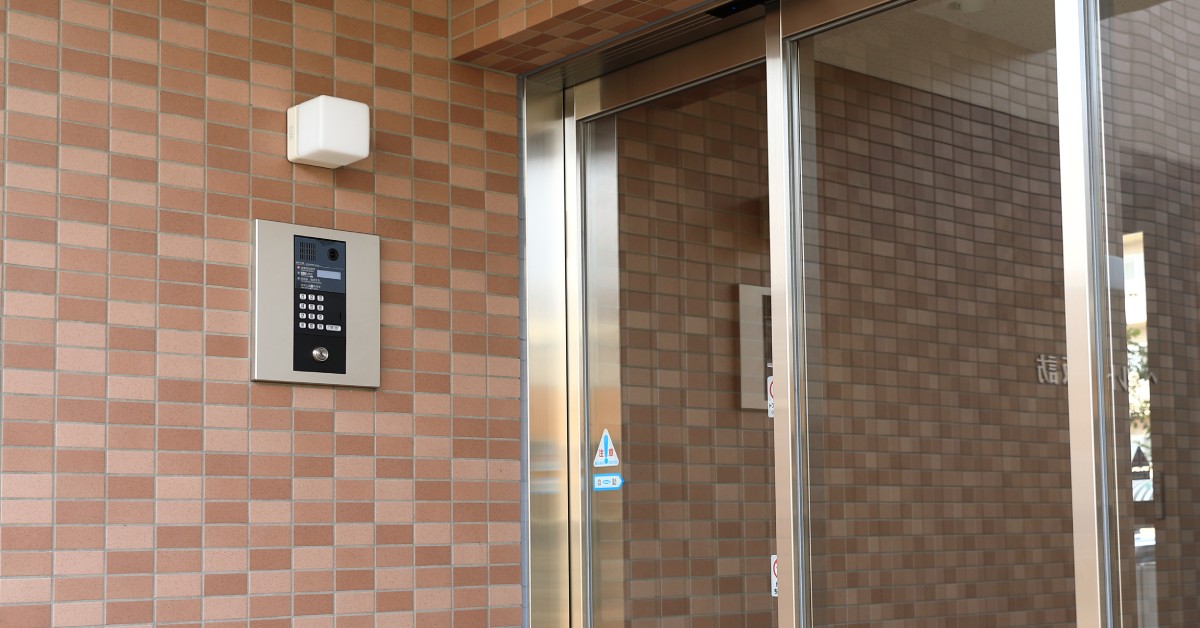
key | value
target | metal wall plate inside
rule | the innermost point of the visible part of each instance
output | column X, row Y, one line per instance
column 315, row 305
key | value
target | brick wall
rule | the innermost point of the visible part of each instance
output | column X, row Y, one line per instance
column 521, row 36
column 144, row 479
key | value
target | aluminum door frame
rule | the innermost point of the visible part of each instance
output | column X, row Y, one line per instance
column 556, row 386
column 559, row 390
column 545, row 341
column 572, row 378
column 1086, row 289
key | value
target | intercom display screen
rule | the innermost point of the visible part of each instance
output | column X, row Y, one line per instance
column 320, row 265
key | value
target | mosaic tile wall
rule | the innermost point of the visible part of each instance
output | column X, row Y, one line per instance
column 699, row 505
column 940, row 463
column 520, row 36
column 143, row 480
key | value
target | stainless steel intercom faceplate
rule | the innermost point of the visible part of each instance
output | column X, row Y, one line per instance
column 316, row 305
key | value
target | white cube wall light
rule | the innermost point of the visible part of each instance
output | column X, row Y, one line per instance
column 328, row 132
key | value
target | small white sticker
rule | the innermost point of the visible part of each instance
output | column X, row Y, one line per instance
column 606, row 453
column 774, row 575
column 770, row 396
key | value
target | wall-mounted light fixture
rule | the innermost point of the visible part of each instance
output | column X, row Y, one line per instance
column 328, row 132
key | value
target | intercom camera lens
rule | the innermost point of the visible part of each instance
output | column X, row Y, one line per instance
column 334, row 255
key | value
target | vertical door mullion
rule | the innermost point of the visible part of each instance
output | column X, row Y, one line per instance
column 786, row 229
column 576, row 369
column 1086, row 281
column 602, row 406
column 545, row 299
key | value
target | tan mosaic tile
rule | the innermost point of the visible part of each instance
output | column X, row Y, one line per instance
column 144, row 479
column 520, row 36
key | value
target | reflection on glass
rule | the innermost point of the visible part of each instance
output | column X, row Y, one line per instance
column 697, row 507
column 1135, row 381
column 1146, row 578
column 938, row 445
column 1151, row 94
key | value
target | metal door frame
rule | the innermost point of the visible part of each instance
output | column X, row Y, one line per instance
column 575, row 257
column 556, row 243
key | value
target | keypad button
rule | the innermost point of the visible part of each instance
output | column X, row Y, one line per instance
column 320, row 297
column 301, row 325
column 303, row 296
column 320, row 326
column 320, row 317
column 320, row 308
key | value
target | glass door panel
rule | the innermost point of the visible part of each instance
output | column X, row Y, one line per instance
column 937, row 448
column 1150, row 85
column 681, row 501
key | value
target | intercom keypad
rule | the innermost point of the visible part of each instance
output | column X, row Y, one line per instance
column 319, row 306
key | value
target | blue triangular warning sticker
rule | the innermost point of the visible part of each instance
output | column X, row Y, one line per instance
column 606, row 453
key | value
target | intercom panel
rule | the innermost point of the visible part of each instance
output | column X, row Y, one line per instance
column 315, row 305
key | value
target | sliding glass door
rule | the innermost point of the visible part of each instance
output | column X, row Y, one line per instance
column 681, row 525
column 1152, row 186
column 884, row 308
column 935, row 448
